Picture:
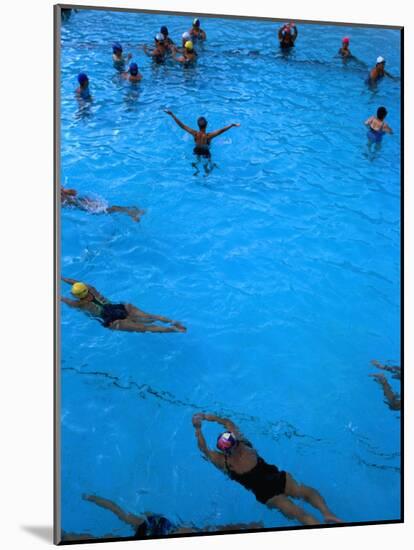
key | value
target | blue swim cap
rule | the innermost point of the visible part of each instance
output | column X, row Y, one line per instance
column 116, row 47
column 82, row 78
column 164, row 30
column 133, row 69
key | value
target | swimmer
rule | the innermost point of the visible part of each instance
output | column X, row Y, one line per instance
column 201, row 137
column 125, row 317
column 379, row 72
column 189, row 54
column 132, row 74
column 196, row 32
column 377, row 127
column 168, row 42
column 118, row 57
column 344, row 50
column 154, row 525
column 159, row 51
column 70, row 198
column 392, row 399
column 83, row 91
column 271, row 486
column 287, row 35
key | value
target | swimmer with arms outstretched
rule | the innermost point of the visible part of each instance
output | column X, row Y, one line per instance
column 153, row 525
column 273, row 487
column 201, row 137
column 70, row 198
column 125, row 317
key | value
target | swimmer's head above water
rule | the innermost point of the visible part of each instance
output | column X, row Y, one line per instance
column 380, row 60
column 345, row 41
column 133, row 69
column 164, row 31
column 202, row 123
column 116, row 48
column 381, row 113
column 159, row 38
column 196, row 23
column 227, row 442
column 80, row 290
column 288, row 28
column 83, row 79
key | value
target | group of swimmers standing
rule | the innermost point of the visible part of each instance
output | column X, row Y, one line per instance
column 234, row 454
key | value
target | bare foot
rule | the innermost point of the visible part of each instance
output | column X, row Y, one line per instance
column 376, row 364
column 179, row 327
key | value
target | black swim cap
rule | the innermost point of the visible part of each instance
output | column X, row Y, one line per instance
column 381, row 113
column 202, row 122
column 164, row 30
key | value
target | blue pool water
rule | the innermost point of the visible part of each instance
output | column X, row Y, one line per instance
column 283, row 262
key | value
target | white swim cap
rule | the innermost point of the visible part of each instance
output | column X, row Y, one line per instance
column 380, row 59
column 186, row 35
column 159, row 37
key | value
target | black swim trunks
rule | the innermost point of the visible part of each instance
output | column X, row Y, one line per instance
column 202, row 151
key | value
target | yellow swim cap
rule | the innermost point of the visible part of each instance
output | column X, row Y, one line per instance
column 188, row 45
column 80, row 290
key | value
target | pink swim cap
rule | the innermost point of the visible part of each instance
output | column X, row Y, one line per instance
column 226, row 441
column 345, row 40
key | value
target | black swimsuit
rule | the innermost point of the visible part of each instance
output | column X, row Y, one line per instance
column 110, row 312
column 264, row 480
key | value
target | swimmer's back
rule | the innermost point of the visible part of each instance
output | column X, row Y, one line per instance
column 201, row 138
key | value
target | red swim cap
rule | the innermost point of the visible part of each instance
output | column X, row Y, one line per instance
column 345, row 40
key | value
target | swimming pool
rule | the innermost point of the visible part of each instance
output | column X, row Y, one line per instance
column 282, row 261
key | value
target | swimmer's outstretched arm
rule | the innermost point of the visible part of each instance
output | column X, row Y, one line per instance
column 216, row 458
column 391, row 76
column 212, row 135
column 131, row 519
column 392, row 399
column 394, row 369
column 181, row 124
column 69, row 302
column 68, row 280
